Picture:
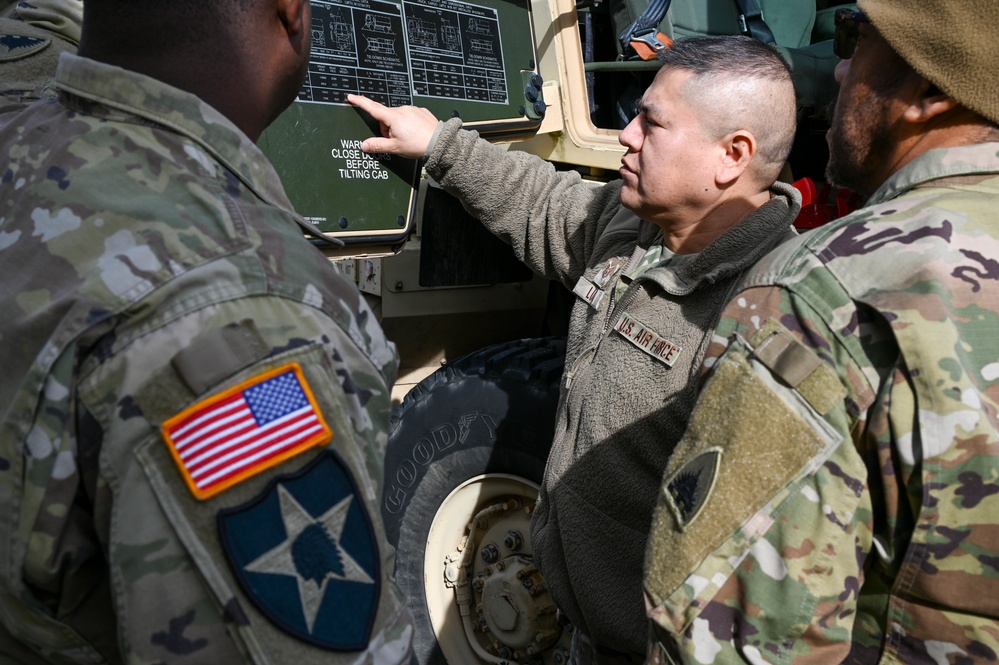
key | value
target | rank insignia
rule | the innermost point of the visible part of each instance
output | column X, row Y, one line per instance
column 15, row 47
column 227, row 438
column 687, row 491
column 305, row 553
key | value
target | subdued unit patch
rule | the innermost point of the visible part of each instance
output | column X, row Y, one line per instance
column 687, row 491
column 15, row 47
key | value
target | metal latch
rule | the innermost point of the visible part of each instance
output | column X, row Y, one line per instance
column 649, row 42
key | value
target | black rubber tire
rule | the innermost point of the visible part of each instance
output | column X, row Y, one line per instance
column 503, row 399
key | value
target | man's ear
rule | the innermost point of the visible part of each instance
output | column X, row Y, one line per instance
column 294, row 15
column 928, row 103
column 738, row 150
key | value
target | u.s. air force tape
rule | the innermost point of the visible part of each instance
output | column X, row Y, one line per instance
column 646, row 339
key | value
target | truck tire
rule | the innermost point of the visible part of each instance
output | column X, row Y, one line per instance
column 474, row 436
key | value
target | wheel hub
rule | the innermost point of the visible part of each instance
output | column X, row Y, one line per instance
column 516, row 608
column 499, row 606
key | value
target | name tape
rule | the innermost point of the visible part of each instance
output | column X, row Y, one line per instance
column 647, row 340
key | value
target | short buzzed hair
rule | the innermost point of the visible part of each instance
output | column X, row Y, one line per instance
column 183, row 21
column 740, row 83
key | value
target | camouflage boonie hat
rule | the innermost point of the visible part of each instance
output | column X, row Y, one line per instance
column 951, row 43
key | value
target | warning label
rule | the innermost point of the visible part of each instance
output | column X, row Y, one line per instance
column 355, row 164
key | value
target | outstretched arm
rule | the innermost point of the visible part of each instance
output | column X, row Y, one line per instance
column 551, row 218
column 406, row 130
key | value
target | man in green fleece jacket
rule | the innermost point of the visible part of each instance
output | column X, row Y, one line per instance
column 653, row 258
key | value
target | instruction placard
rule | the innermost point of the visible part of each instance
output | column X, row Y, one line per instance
column 357, row 47
column 455, row 51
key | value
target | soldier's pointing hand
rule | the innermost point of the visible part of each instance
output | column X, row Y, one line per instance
column 406, row 130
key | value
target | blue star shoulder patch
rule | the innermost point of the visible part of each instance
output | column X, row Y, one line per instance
column 305, row 553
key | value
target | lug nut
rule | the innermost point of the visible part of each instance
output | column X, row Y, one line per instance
column 490, row 553
column 514, row 540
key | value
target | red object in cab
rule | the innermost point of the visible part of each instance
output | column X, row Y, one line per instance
column 820, row 205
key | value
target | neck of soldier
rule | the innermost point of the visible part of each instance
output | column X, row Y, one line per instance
column 220, row 78
column 958, row 127
column 689, row 232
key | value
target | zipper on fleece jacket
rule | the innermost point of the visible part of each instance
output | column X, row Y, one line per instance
column 612, row 307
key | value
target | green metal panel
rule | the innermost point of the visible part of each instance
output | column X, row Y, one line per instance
column 456, row 58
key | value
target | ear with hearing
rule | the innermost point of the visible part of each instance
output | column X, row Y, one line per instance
column 929, row 102
column 739, row 149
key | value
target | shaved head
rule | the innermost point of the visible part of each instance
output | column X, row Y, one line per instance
column 740, row 83
column 246, row 58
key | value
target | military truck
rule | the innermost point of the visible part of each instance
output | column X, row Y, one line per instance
column 479, row 336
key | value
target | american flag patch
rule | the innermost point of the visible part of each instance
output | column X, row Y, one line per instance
column 227, row 438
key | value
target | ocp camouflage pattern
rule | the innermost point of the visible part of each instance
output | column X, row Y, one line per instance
column 850, row 397
column 136, row 221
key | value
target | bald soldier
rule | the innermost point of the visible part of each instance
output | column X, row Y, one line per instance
column 836, row 496
column 193, row 404
column 652, row 258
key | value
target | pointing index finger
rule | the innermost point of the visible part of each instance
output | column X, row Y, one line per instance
column 365, row 104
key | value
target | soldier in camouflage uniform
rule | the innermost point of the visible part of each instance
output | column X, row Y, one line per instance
column 193, row 404
column 32, row 36
column 836, row 495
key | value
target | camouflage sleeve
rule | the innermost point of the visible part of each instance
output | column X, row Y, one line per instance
column 238, row 485
column 765, row 518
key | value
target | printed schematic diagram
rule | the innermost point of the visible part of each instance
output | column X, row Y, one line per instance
column 357, row 47
column 377, row 23
column 455, row 50
column 421, row 33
